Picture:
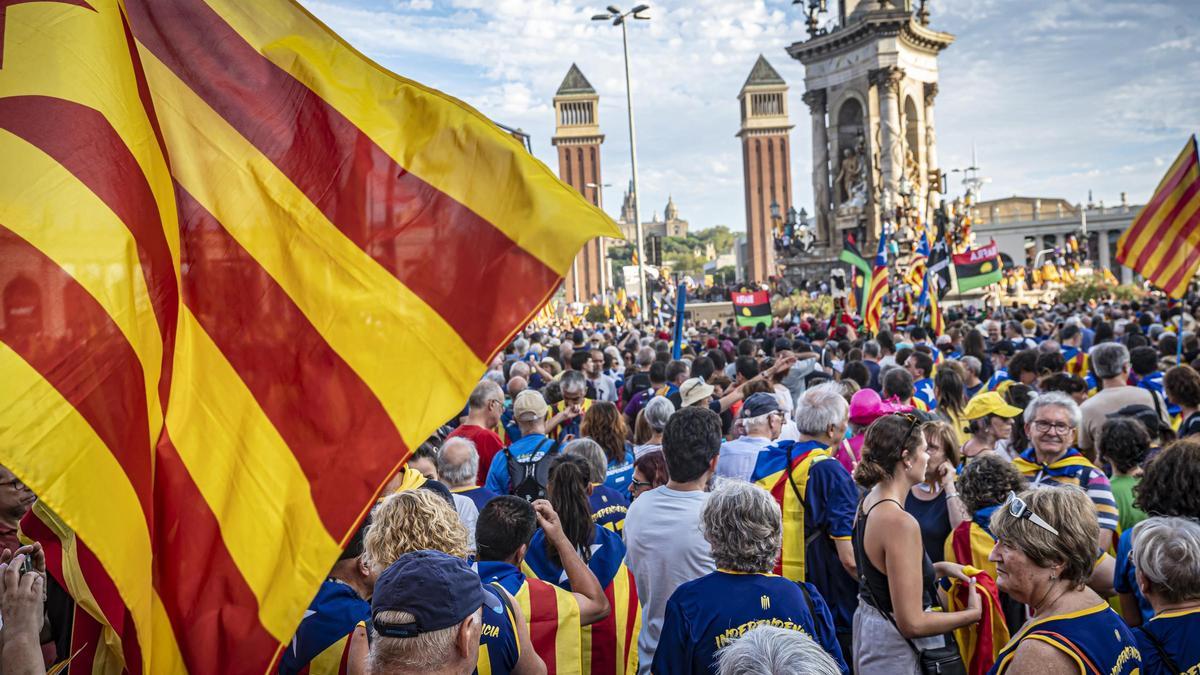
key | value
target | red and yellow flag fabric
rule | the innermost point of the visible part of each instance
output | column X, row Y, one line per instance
column 1163, row 243
column 243, row 270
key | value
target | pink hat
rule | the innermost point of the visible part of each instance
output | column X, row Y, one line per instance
column 866, row 407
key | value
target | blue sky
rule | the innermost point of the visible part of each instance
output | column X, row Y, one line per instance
column 1057, row 96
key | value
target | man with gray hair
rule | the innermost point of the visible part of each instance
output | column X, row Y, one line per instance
column 1051, row 421
column 458, row 468
column 573, row 385
column 762, row 420
column 742, row 524
column 768, row 650
column 484, row 410
column 971, row 383
column 818, row 500
column 1110, row 360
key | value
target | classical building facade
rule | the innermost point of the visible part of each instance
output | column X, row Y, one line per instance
column 766, row 163
column 1026, row 226
column 671, row 224
column 870, row 84
column 577, row 138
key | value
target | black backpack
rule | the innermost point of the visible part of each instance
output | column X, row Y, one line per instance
column 528, row 475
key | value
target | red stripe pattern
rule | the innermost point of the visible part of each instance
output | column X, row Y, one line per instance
column 392, row 215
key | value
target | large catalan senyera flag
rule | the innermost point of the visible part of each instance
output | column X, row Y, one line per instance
column 878, row 289
column 1163, row 243
column 243, row 270
column 752, row 308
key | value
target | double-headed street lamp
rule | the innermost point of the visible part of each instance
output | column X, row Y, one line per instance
column 619, row 18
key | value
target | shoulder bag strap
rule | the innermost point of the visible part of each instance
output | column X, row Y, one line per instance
column 862, row 578
column 1159, row 647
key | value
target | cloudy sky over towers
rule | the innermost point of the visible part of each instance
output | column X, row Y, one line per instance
column 1057, row 97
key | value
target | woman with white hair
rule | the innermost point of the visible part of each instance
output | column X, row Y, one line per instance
column 768, row 650
column 817, row 498
column 655, row 415
column 742, row 525
column 1166, row 552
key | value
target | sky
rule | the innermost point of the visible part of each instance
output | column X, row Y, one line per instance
column 1056, row 97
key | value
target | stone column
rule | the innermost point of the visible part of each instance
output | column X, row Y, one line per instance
column 815, row 98
column 891, row 140
column 931, row 160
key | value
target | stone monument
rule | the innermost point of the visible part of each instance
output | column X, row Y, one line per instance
column 870, row 83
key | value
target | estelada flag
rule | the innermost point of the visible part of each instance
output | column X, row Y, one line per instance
column 752, row 308
column 978, row 267
column 1163, row 243
column 244, row 271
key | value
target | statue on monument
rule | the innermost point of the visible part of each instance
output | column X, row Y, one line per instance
column 852, row 176
column 912, row 170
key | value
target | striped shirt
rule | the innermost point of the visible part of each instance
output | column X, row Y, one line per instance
column 1073, row 469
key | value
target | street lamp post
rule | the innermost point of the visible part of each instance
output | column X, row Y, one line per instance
column 620, row 18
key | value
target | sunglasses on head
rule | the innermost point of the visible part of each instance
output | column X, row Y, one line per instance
column 1017, row 508
column 913, row 423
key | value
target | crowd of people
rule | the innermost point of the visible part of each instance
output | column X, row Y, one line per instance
column 1020, row 494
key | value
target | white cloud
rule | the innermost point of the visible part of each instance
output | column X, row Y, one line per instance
column 1057, row 97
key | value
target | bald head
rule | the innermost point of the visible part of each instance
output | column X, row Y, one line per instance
column 458, row 463
column 516, row 385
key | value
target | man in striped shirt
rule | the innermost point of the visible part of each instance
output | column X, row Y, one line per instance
column 1052, row 421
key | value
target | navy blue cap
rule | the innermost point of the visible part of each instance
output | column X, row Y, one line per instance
column 1004, row 347
column 438, row 589
column 760, row 404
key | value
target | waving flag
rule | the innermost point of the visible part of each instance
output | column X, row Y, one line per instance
column 873, row 309
column 244, row 270
column 1163, row 243
column 978, row 267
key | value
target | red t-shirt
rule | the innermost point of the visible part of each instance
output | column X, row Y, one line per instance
column 487, row 443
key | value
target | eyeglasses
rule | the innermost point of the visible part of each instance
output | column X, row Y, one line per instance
column 1017, row 508
column 1059, row 428
column 635, row 483
column 15, row 484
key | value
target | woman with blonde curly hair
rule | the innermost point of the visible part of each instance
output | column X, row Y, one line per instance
column 417, row 520
column 604, row 424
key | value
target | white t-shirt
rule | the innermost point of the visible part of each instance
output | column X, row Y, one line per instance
column 664, row 548
column 468, row 515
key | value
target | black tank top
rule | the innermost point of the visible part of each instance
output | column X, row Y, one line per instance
column 873, row 586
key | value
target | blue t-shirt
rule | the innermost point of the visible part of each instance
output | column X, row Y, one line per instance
column 498, row 635
column 710, row 612
column 1125, row 579
column 331, row 616
column 481, row 496
column 607, row 554
column 608, row 507
column 497, row 478
column 620, row 473
column 830, row 501
column 1179, row 634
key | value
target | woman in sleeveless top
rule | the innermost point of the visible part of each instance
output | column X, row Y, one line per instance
column 896, row 577
column 1044, row 553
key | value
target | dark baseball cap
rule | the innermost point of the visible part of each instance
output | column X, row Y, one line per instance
column 760, row 404
column 1004, row 347
column 437, row 589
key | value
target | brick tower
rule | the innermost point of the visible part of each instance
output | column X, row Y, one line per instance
column 577, row 137
column 766, row 159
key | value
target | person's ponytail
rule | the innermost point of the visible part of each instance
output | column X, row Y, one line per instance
column 570, row 478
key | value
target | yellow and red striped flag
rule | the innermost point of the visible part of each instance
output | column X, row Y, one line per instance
column 873, row 309
column 1163, row 243
column 244, row 269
